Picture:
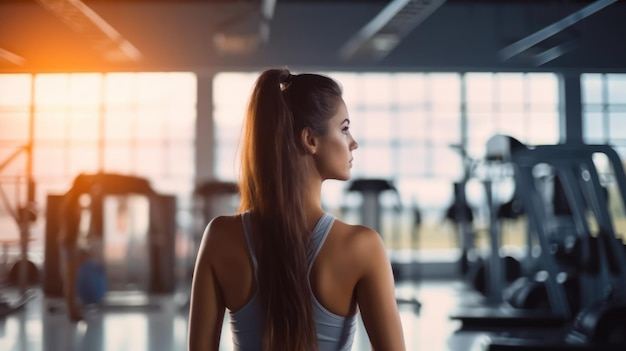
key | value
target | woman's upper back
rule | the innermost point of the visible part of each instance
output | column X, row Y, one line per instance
column 334, row 332
column 334, row 272
column 342, row 275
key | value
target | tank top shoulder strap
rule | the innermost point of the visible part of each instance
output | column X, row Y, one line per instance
column 320, row 232
column 247, row 232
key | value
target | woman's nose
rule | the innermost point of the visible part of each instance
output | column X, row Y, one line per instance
column 354, row 145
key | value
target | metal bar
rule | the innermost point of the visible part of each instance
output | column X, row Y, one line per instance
column 553, row 53
column 543, row 34
column 11, row 57
column 81, row 18
column 365, row 37
column 8, row 160
column 7, row 204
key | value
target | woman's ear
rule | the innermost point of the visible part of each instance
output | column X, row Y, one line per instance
column 309, row 140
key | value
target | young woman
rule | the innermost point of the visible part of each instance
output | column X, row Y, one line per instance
column 292, row 276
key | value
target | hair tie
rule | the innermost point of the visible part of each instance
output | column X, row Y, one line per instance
column 286, row 82
column 288, row 79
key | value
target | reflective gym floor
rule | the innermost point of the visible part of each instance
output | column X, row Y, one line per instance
column 160, row 323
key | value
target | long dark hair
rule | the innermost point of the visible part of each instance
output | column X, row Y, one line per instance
column 273, row 173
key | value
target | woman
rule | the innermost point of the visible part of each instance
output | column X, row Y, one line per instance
column 292, row 276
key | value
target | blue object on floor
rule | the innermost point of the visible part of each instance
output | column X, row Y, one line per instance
column 91, row 282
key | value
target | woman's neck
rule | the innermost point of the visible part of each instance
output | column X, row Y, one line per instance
column 312, row 197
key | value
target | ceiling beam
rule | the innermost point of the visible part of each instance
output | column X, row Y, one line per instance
column 385, row 31
column 531, row 40
column 8, row 56
column 85, row 21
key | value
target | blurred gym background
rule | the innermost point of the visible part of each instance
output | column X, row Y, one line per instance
column 156, row 89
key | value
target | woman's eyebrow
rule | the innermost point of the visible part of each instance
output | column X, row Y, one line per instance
column 347, row 120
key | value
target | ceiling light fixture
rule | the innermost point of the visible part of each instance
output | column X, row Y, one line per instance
column 82, row 19
column 385, row 31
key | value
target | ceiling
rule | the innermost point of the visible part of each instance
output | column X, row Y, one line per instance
column 184, row 35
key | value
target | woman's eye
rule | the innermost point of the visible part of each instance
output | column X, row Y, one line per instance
column 345, row 130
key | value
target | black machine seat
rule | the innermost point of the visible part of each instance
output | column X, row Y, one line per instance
column 374, row 185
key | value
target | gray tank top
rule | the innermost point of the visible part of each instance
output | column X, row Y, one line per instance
column 334, row 332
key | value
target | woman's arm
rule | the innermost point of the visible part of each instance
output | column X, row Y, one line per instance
column 376, row 297
column 206, row 310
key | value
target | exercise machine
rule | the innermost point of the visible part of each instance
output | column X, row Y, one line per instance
column 128, row 227
column 24, row 212
column 596, row 319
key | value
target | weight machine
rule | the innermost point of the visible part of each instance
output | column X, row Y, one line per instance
column 24, row 215
column 596, row 263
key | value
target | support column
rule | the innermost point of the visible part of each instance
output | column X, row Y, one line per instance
column 204, row 137
column 571, row 117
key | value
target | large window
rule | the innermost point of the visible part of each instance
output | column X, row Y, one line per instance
column 604, row 122
column 139, row 124
column 407, row 126
column 604, row 109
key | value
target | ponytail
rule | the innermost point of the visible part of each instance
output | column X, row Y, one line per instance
column 272, row 179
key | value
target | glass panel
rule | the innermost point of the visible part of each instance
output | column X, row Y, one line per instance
column 446, row 163
column 616, row 84
column 85, row 89
column 510, row 89
column 349, row 83
column 52, row 89
column 543, row 128
column 409, row 89
column 377, row 90
column 479, row 90
column 445, row 91
column 117, row 158
column 180, row 160
column 51, row 125
column 151, row 89
column 14, row 126
column 83, row 158
column 150, row 123
column 591, row 88
column 119, row 125
column 333, row 194
column 374, row 125
column 182, row 123
column 49, row 161
column 445, row 128
column 226, row 162
column 513, row 124
column 84, row 124
column 434, row 194
column 480, row 127
column 373, row 161
column 227, row 117
column 181, row 88
column 412, row 125
column 120, row 89
column 593, row 127
column 15, row 89
column 150, row 160
column 411, row 161
column 233, row 89
column 617, row 126
column 543, row 88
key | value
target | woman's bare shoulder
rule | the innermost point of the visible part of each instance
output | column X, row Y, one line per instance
column 353, row 229
column 361, row 239
column 220, row 232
